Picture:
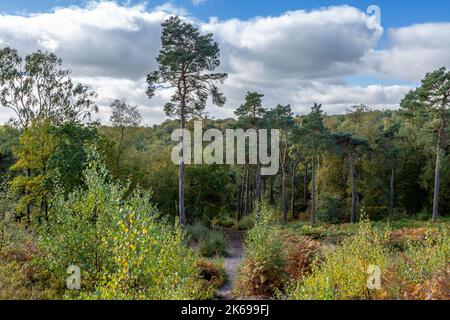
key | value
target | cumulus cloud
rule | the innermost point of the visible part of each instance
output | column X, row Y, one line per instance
column 413, row 51
column 299, row 57
column 317, row 44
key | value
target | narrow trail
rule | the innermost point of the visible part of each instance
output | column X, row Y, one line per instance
column 235, row 239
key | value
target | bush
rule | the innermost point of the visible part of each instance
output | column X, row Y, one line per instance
column 225, row 221
column 210, row 243
column 197, row 231
column 124, row 249
column 343, row 273
column 261, row 273
column 213, row 243
column 246, row 222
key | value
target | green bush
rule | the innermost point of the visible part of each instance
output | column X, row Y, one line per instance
column 261, row 273
column 213, row 243
column 197, row 231
column 246, row 222
column 342, row 274
column 122, row 246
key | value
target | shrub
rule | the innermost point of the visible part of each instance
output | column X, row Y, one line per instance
column 213, row 243
column 225, row 221
column 197, row 231
column 246, row 222
column 124, row 249
column 261, row 273
column 343, row 273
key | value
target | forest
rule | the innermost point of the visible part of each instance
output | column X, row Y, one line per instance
column 359, row 208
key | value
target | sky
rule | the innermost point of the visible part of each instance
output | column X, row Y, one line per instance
column 293, row 51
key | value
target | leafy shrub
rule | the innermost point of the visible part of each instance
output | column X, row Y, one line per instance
column 197, row 231
column 261, row 273
column 225, row 221
column 246, row 222
column 210, row 243
column 213, row 243
column 343, row 273
column 124, row 249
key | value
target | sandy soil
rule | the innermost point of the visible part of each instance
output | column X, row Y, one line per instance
column 235, row 240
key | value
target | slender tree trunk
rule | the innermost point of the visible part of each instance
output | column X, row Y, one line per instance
column 294, row 166
column 305, row 185
column 352, row 181
column 241, row 194
column 28, row 204
column 181, row 181
column 313, row 192
column 258, row 185
column 437, row 180
column 246, row 194
column 391, row 204
column 272, row 200
column 119, row 150
column 285, row 207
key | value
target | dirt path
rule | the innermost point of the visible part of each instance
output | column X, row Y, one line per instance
column 235, row 240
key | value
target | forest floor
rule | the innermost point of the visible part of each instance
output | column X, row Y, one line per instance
column 232, row 261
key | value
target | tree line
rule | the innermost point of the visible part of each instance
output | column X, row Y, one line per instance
column 331, row 166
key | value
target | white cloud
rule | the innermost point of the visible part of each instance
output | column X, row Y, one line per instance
column 298, row 57
column 413, row 51
column 198, row 2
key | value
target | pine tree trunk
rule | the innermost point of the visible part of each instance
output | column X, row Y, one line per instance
column 272, row 200
column 305, row 185
column 181, row 180
column 258, row 185
column 283, row 187
column 437, row 181
column 313, row 192
column 391, row 204
column 294, row 166
column 352, row 181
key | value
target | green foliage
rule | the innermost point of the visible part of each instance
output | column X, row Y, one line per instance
column 36, row 147
column 246, row 222
column 184, row 57
column 212, row 244
column 38, row 88
column 69, row 157
column 261, row 273
column 125, row 251
column 342, row 274
column 329, row 208
column 9, row 138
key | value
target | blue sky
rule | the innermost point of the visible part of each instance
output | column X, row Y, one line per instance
column 395, row 13
column 327, row 54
